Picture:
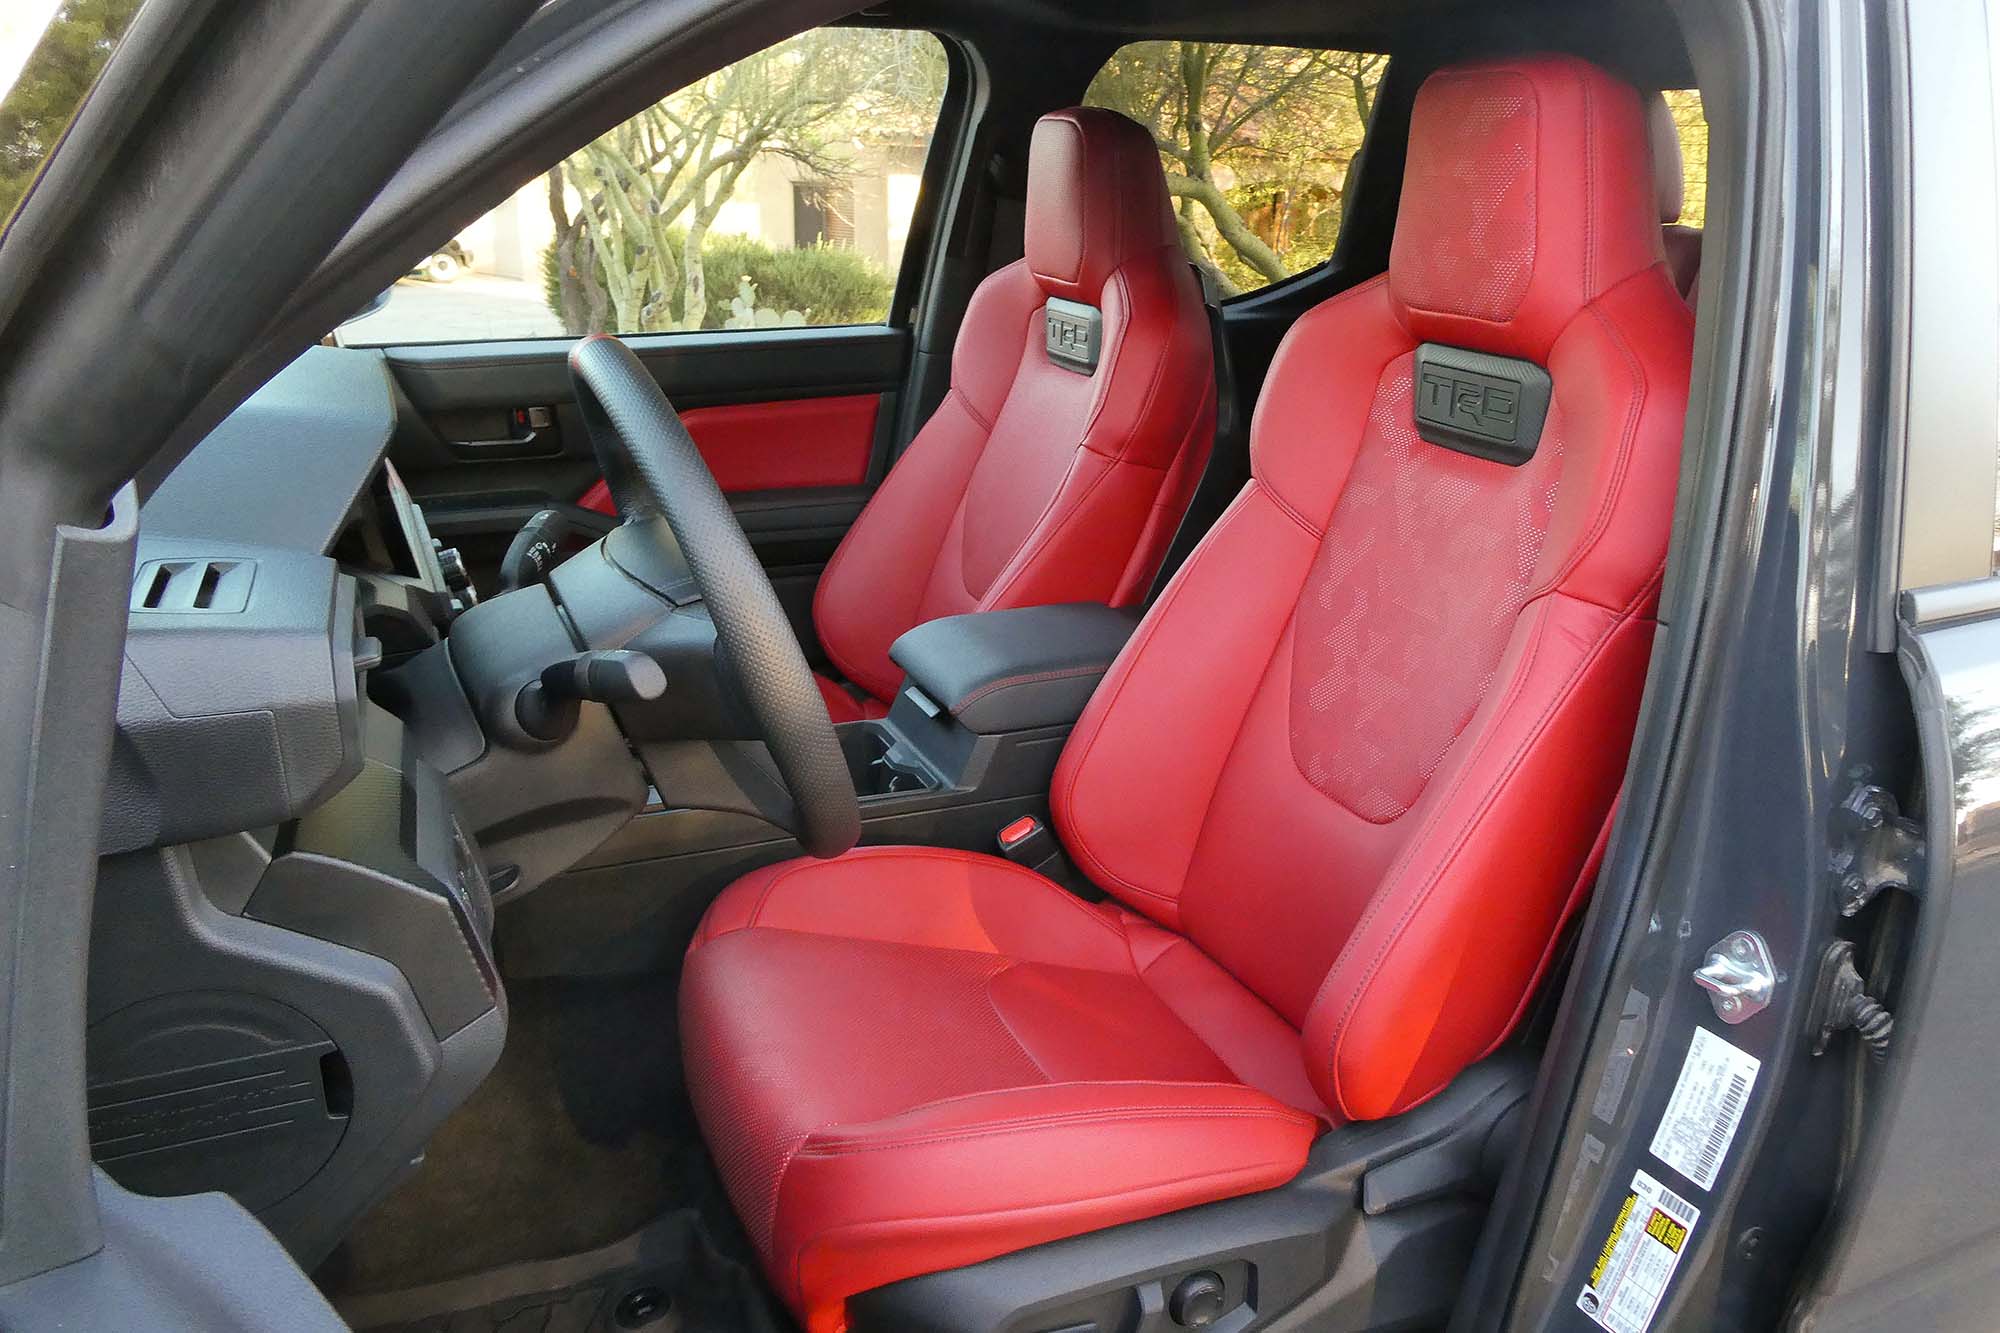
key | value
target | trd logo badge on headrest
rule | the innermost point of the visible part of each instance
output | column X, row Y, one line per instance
column 1471, row 402
column 1073, row 331
column 1489, row 406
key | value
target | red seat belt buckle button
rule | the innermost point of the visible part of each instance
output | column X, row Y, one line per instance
column 1027, row 842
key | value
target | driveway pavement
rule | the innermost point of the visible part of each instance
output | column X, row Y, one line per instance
column 477, row 307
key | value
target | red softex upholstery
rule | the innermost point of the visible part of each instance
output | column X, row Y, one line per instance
column 912, row 1059
column 1374, row 816
column 1345, row 780
column 1033, row 483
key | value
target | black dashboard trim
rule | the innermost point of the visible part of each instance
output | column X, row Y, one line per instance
column 286, row 468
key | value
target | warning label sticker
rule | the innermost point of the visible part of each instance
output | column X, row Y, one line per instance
column 1639, row 1257
column 1707, row 1106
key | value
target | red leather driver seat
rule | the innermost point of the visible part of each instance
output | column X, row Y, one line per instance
column 1038, row 480
column 1343, row 786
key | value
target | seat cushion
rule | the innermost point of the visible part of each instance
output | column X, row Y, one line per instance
column 1032, row 1066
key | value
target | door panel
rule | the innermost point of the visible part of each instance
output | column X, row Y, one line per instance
column 778, row 446
column 494, row 425
column 791, row 420
column 697, row 369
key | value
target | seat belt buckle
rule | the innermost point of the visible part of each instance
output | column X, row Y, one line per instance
column 1027, row 842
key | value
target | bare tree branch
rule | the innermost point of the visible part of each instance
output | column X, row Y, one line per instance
column 1229, row 225
column 675, row 165
column 1257, row 140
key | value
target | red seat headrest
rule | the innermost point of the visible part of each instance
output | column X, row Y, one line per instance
column 1528, row 193
column 1096, row 198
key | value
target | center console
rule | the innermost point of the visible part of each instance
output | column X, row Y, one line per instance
column 969, row 746
column 996, row 672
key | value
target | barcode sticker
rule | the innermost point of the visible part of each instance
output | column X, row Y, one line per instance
column 1638, row 1258
column 1706, row 1108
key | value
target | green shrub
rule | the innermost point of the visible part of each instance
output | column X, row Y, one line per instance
column 832, row 286
column 552, row 281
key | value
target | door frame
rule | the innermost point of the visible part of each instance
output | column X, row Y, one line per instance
column 215, row 116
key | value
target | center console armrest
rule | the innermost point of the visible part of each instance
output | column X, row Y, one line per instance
column 995, row 671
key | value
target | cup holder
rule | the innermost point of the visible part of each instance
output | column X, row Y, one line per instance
column 875, row 766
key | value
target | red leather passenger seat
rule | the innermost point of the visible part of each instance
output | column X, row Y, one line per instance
column 1038, row 480
column 1342, row 787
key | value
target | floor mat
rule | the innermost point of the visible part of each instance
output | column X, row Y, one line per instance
column 581, row 1142
column 667, row 1278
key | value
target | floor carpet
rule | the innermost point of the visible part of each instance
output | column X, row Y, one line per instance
column 572, row 1177
column 666, row 1278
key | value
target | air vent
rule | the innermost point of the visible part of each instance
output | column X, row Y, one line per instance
column 193, row 585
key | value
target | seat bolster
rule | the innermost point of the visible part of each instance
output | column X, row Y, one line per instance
column 1163, row 376
column 1157, row 387
column 967, row 1178
column 1170, row 706
column 874, row 587
column 1250, row 1037
column 1433, row 977
column 1313, row 410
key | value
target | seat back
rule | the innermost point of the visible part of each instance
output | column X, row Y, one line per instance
column 1361, row 747
column 1079, row 416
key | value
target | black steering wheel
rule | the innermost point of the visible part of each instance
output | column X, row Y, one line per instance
column 652, row 468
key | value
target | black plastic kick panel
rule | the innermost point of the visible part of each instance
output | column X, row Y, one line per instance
column 287, row 1015
column 384, row 868
column 213, row 1090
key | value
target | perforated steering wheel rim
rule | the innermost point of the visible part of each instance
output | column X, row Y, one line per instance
column 651, row 466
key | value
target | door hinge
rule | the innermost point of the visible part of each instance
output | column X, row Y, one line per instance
column 1839, row 1002
column 1876, row 847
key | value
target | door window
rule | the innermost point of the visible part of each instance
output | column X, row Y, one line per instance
column 1258, row 143
column 778, row 191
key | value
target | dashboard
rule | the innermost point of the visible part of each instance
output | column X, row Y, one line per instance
column 278, row 565
column 292, row 979
column 286, row 468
